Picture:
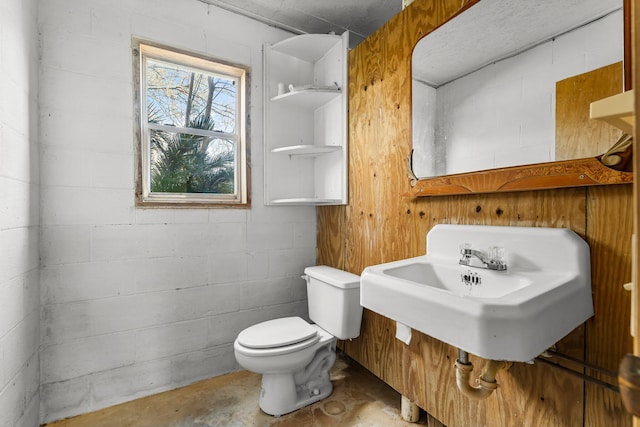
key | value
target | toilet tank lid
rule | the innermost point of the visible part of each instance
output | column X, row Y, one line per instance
column 333, row 276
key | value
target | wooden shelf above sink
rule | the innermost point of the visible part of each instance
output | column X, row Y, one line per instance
column 617, row 110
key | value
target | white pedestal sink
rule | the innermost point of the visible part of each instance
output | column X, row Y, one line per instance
column 514, row 315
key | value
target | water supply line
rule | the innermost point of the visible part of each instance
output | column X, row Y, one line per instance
column 487, row 380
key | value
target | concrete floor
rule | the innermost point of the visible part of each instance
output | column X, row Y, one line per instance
column 358, row 399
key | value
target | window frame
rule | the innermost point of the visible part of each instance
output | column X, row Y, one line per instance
column 143, row 49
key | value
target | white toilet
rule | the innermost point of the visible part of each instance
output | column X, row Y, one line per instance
column 293, row 356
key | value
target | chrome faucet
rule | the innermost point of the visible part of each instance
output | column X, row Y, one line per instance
column 493, row 261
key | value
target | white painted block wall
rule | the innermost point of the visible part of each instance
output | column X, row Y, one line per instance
column 19, row 222
column 138, row 301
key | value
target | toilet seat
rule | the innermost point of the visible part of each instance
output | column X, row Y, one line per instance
column 278, row 336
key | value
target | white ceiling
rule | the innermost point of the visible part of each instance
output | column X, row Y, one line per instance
column 520, row 23
column 360, row 17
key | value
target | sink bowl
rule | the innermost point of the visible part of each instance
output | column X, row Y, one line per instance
column 511, row 315
column 459, row 280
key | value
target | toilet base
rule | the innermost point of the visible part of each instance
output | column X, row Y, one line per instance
column 284, row 393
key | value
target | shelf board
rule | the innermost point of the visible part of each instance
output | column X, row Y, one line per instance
column 308, row 47
column 307, row 150
column 617, row 110
column 308, row 98
column 307, row 201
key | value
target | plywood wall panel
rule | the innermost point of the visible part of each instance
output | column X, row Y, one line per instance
column 582, row 137
column 610, row 224
column 380, row 225
column 331, row 236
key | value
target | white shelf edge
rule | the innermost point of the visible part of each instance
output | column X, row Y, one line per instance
column 303, row 92
column 617, row 110
column 306, row 150
column 306, row 201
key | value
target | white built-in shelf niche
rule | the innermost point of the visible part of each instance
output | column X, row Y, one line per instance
column 305, row 125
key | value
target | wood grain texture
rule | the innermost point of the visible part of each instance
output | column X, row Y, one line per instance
column 609, row 229
column 633, row 80
column 382, row 224
column 634, row 36
column 331, row 235
column 579, row 136
column 568, row 173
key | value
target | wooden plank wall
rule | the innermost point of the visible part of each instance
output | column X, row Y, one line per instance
column 380, row 225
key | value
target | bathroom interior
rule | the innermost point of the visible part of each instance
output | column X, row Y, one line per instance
column 104, row 301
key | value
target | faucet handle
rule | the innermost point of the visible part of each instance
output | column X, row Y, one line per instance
column 496, row 254
column 463, row 247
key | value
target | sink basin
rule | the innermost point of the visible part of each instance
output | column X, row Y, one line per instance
column 513, row 315
column 450, row 278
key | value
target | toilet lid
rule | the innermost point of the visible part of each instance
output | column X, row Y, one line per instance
column 276, row 333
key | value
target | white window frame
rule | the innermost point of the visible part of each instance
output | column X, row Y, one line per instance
column 144, row 196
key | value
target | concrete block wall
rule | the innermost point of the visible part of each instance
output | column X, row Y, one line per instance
column 506, row 111
column 19, row 214
column 136, row 301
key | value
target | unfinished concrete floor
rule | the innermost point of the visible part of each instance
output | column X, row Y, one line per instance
column 358, row 399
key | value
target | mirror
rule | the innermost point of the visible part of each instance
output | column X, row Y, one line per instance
column 484, row 83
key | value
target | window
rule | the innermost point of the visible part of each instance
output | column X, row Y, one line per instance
column 192, row 148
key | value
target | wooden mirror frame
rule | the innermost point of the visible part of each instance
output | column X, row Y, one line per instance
column 559, row 174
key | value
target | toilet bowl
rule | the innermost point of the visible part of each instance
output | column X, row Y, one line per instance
column 289, row 378
column 294, row 356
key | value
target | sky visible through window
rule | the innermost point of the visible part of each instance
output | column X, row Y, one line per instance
column 179, row 94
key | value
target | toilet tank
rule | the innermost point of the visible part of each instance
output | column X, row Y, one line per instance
column 334, row 300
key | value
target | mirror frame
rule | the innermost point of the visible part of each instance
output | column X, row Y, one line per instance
column 540, row 176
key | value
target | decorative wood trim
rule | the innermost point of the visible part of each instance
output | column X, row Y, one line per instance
column 567, row 173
